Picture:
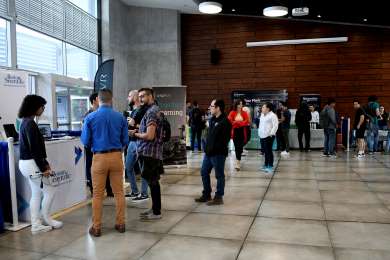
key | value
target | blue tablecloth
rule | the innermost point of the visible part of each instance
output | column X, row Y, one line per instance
column 5, row 191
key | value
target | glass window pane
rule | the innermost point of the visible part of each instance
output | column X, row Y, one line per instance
column 88, row 6
column 80, row 63
column 38, row 52
column 3, row 43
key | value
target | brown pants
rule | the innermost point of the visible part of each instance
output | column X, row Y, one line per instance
column 103, row 165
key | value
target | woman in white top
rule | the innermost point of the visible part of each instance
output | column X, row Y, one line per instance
column 267, row 130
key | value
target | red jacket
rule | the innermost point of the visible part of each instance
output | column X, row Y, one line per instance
column 239, row 124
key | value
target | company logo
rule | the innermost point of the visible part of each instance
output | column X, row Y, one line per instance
column 14, row 81
column 60, row 177
column 79, row 153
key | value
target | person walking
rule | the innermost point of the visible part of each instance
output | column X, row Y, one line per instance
column 106, row 132
column 329, row 123
column 302, row 121
column 150, row 151
column 267, row 130
column 373, row 113
column 284, row 125
column 136, row 115
column 34, row 166
column 216, row 151
column 197, row 124
column 240, row 121
column 360, row 127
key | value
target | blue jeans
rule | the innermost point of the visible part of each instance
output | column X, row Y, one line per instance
column 388, row 142
column 218, row 163
column 330, row 141
column 131, row 160
column 372, row 137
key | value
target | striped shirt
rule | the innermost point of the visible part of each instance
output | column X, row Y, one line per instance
column 154, row 148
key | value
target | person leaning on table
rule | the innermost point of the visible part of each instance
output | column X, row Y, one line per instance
column 105, row 131
column 34, row 166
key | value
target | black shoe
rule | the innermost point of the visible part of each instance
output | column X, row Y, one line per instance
column 140, row 198
column 131, row 195
column 215, row 201
column 203, row 199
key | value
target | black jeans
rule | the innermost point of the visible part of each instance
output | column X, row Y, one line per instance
column 196, row 132
column 238, row 140
column 88, row 165
column 304, row 131
column 284, row 142
column 266, row 145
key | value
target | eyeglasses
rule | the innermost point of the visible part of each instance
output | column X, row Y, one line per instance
column 212, row 106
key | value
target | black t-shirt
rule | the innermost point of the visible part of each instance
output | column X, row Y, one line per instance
column 358, row 114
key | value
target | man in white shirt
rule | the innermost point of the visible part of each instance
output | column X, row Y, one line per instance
column 315, row 116
column 267, row 130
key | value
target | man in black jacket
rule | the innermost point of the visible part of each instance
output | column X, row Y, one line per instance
column 216, row 151
column 302, row 121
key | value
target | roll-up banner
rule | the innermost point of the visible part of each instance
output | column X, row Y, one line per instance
column 172, row 103
column 104, row 76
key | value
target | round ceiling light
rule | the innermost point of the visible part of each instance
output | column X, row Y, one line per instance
column 275, row 11
column 210, row 7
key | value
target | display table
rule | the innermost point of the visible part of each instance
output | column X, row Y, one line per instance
column 66, row 157
column 317, row 138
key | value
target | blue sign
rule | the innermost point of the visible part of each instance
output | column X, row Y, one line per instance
column 104, row 76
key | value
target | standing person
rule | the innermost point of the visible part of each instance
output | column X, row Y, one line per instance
column 360, row 127
column 302, row 121
column 372, row 111
column 150, row 151
column 196, row 122
column 267, row 130
column 93, row 99
column 382, row 125
column 329, row 123
column 105, row 131
column 136, row 115
column 315, row 116
column 284, row 125
column 239, row 120
column 34, row 166
column 387, row 150
column 216, row 151
column 249, row 127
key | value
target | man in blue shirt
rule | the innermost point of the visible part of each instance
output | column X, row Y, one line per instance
column 106, row 132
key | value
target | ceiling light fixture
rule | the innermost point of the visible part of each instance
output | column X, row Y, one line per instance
column 210, row 7
column 365, row 19
column 319, row 16
column 275, row 11
column 297, row 41
column 233, row 10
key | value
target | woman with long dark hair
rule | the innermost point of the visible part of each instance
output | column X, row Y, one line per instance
column 34, row 166
column 239, row 120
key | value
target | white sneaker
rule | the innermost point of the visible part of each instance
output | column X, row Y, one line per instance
column 39, row 228
column 285, row 153
column 55, row 224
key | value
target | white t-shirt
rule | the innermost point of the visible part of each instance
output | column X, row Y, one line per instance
column 268, row 125
column 315, row 117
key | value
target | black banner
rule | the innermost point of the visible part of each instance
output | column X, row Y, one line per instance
column 104, row 76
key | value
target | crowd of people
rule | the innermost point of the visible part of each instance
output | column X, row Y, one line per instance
column 107, row 134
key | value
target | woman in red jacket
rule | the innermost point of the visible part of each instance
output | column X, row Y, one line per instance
column 239, row 120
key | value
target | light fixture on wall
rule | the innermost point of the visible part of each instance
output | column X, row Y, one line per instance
column 297, row 41
column 210, row 7
column 275, row 11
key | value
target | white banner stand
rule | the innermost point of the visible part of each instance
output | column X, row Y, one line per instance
column 16, row 225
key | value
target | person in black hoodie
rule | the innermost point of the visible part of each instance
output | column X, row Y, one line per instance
column 302, row 121
column 216, row 151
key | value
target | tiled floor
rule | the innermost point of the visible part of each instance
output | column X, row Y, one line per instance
column 312, row 208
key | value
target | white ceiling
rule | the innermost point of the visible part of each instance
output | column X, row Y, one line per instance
column 184, row 6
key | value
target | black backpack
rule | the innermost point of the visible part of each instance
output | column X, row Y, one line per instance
column 166, row 129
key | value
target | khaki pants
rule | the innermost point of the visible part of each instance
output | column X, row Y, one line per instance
column 103, row 165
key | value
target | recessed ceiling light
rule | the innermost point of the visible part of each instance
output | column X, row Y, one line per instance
column 319, row 16
column 210, row 7
column 275, row 11
column 233, row 10
column 365, row 19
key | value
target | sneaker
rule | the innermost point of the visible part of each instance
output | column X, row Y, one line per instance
column 36, row 229
column 55, row 224
column 334, row 156
column 141, row 198
column 360, row 156
column 215, row 201
column 145, row 213
column 285, row 153
column 325, row 155
column 237, row 166
column 203, row 199
column 132, row 195
column 150, row 217
column 264, row 168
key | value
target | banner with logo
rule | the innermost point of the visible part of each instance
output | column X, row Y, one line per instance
column 172, row 102
column 104, row 76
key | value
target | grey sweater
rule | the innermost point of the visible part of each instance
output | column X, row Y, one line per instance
column 332, row 117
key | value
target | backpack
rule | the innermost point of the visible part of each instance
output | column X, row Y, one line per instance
column 324, row 118
column 166, row 129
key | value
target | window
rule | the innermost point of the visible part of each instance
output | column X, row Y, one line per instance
column 4, row 58
column 80, row 63
column 89, row 6
column 38, row 52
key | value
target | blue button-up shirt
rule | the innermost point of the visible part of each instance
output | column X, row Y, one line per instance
column 105, row 129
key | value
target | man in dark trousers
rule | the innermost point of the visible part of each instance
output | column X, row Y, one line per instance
column 196, row 122
column 216, row 150
column 302, row 121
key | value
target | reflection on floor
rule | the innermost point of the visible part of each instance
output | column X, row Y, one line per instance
column 312, row 208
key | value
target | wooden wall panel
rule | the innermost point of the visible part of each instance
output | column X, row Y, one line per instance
column 355, row 69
